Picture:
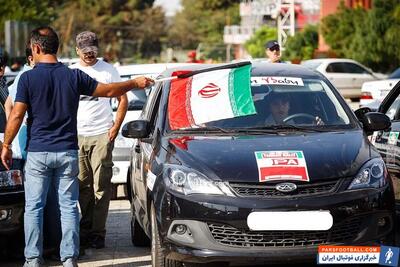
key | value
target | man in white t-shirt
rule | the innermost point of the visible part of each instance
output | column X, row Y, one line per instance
column 96, row 134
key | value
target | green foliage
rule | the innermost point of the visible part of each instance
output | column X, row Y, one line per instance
column 36, row 12
column 301, row 46
column 203, row 22
column 369, row 36
column 126, row 28
column 256, row 44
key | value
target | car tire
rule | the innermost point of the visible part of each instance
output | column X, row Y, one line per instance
column 129, row 186
column 114, row 191
column 158, row 258
column 138, row 235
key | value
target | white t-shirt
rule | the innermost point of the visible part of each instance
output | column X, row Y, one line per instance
column 95, row 113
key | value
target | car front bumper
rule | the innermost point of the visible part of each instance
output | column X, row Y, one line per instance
column 12, row 209
column 216, row 226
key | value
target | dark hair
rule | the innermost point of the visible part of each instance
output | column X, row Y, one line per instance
column 46, row 38
column 3, row 60
column 28, row 51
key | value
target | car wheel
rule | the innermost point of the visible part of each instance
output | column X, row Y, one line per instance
column 138, row 236
column 114, row 191
column 129, row 186
column 158, row 258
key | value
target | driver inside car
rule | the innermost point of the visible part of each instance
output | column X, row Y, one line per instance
column 279, row 106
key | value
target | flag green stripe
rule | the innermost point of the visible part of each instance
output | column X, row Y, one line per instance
column 240, row 91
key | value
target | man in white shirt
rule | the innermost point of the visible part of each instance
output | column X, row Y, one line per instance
column 96, row 134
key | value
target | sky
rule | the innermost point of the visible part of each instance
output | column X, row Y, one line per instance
column 170, row 6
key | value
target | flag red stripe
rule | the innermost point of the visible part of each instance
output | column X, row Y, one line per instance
column 177, row 111
column 272, row 171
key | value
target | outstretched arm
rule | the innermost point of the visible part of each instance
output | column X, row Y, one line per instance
column 120, row 88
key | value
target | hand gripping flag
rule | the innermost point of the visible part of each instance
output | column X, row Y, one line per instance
column 210, row 94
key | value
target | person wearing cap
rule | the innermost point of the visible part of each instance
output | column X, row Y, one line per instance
column 50, row 94
column 273, row 51
column 96, row 134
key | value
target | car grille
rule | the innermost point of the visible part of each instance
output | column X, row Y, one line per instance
column 230, row 236
column 264, row 190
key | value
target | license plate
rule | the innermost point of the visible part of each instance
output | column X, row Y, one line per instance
column 290, row 220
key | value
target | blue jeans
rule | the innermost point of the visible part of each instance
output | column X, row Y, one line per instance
column 59, row 170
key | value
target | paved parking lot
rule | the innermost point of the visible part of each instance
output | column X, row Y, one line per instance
column 119, row 250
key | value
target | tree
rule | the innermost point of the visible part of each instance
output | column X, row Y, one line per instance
column 202, row 22
column 126, row 28
column 302, row 45
column 256, row 44
column 369, row 36
column 33, row 11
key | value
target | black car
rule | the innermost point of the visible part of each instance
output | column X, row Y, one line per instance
column 387, row 142
column 12, row 200
column 224, row 191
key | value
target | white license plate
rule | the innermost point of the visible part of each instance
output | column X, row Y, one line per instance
column 290, row 220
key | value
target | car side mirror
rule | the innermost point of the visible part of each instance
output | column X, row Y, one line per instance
column 361, row 112
column 136, row 129
column 375, row 121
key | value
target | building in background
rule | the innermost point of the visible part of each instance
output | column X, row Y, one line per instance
column 329, row 7
column 287, row 16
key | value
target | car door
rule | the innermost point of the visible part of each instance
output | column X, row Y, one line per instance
column 337, row 75
column 143, row 149
column 387, row 142
column 359, row 74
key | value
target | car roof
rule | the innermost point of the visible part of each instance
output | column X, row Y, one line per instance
column 328, row 60
column 260, row 69
column 155, row 68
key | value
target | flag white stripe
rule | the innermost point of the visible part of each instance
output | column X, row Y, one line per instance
column 213, row 108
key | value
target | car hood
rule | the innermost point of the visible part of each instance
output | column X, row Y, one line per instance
column 328, row 155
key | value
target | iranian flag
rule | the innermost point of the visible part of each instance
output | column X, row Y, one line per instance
column 210, row 96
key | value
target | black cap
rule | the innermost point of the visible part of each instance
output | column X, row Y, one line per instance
column 271, row 44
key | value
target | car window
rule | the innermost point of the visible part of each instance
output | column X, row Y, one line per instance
column 394, row 110
column 395, row 74
column 306, row 102
column 354, row 68
column 336, row 68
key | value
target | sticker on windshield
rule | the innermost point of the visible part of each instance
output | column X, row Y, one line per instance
column 393, row 136
column 274, row 80
column 281, row 165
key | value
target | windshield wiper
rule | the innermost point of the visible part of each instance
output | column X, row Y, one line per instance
column 283, row 127
column 205, row 129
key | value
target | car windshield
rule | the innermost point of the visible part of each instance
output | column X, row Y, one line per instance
column 395, row 74
column 311, row 105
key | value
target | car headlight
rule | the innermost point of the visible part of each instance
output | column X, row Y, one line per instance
column 372, row 175
column 10, row 178
column 188, row 181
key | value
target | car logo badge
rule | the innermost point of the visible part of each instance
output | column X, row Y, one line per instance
column 210, row 90
column 286, row 187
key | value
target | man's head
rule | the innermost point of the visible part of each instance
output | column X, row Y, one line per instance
column 273, row 51
column 279, row 106
column 87, row 47
column 44, row 41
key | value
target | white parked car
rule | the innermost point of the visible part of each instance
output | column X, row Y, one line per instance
column 137, row 99
column 346, row 75
column 372, row 93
